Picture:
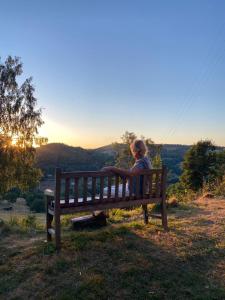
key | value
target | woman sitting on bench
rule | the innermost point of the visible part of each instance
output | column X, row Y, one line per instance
column 139, row 151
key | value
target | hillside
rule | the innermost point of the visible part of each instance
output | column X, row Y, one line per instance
column 125, row 260
column 71, row 158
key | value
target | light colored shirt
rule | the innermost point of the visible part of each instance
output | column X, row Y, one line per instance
column 143, row 163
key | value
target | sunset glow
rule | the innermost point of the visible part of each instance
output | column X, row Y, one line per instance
column 100, row 70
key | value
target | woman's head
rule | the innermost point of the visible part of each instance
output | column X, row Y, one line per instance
column 138, row 148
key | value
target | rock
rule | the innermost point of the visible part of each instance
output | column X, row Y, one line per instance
column 5, row 202
column 96, row 220
column 21, row 201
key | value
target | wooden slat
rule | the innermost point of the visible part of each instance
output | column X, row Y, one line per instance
column 76, row 190
column 101, row 188
column 116, row 187
column 109, row 187
column 150, row 178
column 124, row 188
column 67, row 190
column 97, row 173
column 93, row 189
column 157, row 185
column 163, row 197
column 130, row 188
column 137, row 191
column 85, row 180
column 108, row 205
column 57, row 209
column 86, row 174
column 144, row 185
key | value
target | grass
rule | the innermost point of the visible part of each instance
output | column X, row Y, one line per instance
column 125, row 260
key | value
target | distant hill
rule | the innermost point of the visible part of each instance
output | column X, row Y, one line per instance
column 71, row 158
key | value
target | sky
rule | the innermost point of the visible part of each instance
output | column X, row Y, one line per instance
column 100, row 68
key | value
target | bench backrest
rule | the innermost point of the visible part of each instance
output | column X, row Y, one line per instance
column 85, row 188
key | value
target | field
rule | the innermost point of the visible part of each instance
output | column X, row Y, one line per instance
column 125, row 260
column 20, row 212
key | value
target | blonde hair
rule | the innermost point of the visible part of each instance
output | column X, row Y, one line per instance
column 138, row 146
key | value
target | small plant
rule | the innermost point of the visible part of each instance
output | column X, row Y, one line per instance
column 13, row 221
column 47, row 248
column 30, row 222
column 220, row 189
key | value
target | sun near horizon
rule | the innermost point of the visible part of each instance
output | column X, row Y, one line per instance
column 59, row 133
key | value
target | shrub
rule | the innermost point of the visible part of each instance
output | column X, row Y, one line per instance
column 220, row 189
column 12, row 195
column 38, row 205
column 35, row 200
column 178, row 192
column 30, row 222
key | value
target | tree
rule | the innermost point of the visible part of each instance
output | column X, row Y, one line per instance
column 199, row 165
column 124, row 158
column 220, row 165
column 19, row 123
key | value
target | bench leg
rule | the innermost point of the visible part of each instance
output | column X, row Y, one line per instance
column 49, row 219
column 164, row 214
column 57, row 232
column 145, row 213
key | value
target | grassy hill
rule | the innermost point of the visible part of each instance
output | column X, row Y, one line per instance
column 69, row 158
column 124, row 260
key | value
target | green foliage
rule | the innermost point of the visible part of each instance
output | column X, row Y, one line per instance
column 30, row 222
column 177, row 190
column 47, row 248
column 199, row 165
column 157, row 161
column 19, row 123
column 12, row 195
column 38, row 205
column 23, row 225
column 203, row 169
column 13, row 221
column 220, row 188
column 178, row 193
column 220, row 165
column 35, row 200
column 124, row 157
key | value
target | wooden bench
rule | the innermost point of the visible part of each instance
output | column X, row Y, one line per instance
column 92, row 191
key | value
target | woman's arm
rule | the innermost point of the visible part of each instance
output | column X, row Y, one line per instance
column 122, row 172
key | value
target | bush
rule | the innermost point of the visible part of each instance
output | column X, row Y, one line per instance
column 38, row 205
column 179, row 193
column 35, row 200
column 30, row 222
column 12, row 195
column 220, row 189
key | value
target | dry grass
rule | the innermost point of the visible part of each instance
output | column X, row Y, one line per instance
column 125, row 260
